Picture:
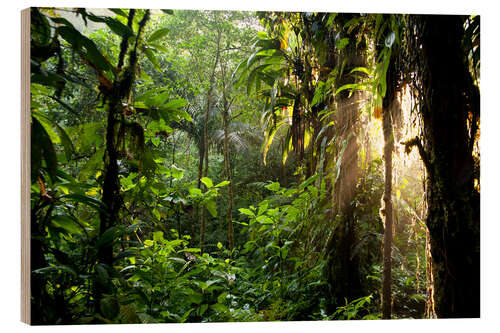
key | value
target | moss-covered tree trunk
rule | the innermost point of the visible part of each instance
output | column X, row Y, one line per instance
column 450, row 99
column 111, row 198
column 386, row 211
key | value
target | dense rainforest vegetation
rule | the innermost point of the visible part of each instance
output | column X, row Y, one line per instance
column 200, row 166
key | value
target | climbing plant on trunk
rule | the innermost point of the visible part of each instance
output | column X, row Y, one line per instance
column 386, row 210
column 118, row 96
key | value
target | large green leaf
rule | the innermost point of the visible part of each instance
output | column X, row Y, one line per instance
column 211, row 206
column 219, row 307
column 158, row 48
column 362, row 70
column 194, row 191
column 176, row 172
column 63, row 268
column 47, row 126
column 308, row 181
column 246, row 211
column 266, row 44
column 62, row 20
column 158, row 236
column 60, row 138
column 116, row 26
column 158, row 34
column 183, row 115
column 269, row 139
column 85, row 47
column 152, row 58
column 148, row 95
column 67, row 223
column 223, row 183
column 108, row 236
column 158, row 100
column 342, row 43
column 148, row 164
column 46, row 77
column 42, row 149
column 275, row 186
column 253, row 58
column 207, row 181
column 118, row 12
column 175, row 104
column 86, row 200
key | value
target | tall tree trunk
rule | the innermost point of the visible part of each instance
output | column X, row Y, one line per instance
column 227, row 163
column 111, row 197
column 174, row 144
column 227, row 167
column 201, row 156
column 386, row 211
column 203, row 209
column 205, row 130
column 450, row 99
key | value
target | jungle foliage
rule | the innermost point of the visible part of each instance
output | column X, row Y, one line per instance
column 201, row 166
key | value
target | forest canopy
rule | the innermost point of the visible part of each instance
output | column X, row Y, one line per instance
column 205, row 166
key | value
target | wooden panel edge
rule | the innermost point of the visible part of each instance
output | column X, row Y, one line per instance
column 25, row 168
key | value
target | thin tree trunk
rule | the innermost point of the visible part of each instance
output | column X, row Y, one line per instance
column 386, row 211
column 390, row 107
column 205, row 131
column 227, row 162
column 111, row 197
column 174, row 143
column 196, row 212
column 230, row 229
column 201, row 156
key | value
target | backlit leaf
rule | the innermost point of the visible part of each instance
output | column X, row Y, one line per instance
column 246, row 211
column 275, row 186
column 223, row 183
column 160, row 33
column 211, row 206
column 207, row 181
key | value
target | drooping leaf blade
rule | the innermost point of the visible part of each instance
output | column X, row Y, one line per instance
column 158, row 34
